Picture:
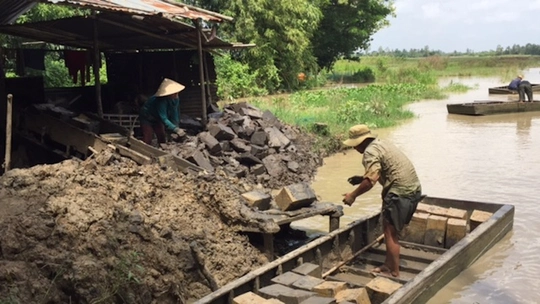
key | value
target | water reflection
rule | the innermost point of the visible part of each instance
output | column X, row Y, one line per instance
column 523, row 125
column 486, row 158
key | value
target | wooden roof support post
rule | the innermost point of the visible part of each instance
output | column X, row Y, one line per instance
column 207, row 75
column 9, row 115
column 7, row 105
column 97, row 65
column 175, row 66
column 201, row 71
column 2, row 77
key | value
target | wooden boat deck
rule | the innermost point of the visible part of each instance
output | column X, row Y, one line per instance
column 478, row 108
column 349, row 255
column 413, row 260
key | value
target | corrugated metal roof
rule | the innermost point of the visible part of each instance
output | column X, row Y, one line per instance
column 147, row 7
column 117, row 31
column 12, row 9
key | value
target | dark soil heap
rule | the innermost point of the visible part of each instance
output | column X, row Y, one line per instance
column 106, row 230
column 81, row 232
column 249, row 143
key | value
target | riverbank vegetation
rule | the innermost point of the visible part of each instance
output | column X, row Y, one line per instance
column 374, row 91
column 329, row 113
column 384, row 67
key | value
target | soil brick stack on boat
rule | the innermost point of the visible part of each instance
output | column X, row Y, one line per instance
column 297, row 287
column 444, row 238
column 442, row 227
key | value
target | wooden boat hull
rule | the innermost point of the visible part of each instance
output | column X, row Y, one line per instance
column 338, row 246
column 492, row 107
column 506, row 90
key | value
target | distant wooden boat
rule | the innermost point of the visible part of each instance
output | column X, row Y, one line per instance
column 506, row 90
column 492, row 107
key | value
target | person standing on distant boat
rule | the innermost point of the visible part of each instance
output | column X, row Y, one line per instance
column 525, row 88
column 385, row 163
column 514, row 84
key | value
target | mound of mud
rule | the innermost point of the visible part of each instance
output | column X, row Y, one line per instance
column 253, row 145
column 80, row 232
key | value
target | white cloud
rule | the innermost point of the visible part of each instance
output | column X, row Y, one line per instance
column 534, row 5
column 445, row 24
column 501, row 16
column 431, row 10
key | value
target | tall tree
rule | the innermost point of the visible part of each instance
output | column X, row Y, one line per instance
column 281, row 30
column 347, row 26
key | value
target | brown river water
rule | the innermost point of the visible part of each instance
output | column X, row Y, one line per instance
column 490, row 159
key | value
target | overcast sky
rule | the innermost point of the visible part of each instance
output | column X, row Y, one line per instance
column 479, row 25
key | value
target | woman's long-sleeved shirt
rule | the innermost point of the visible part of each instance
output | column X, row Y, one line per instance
column 164, row 109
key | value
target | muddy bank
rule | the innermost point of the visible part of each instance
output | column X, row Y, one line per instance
column 107, row 230
column 81, row 232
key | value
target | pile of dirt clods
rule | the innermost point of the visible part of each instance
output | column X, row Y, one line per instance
column 252, row 144
column 106, row 230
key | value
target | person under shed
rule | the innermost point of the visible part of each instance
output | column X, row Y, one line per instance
column 160, row 112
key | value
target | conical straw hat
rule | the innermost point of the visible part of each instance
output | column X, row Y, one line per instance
column 168, row 87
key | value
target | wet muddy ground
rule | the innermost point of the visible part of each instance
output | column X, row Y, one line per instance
column 106, row 230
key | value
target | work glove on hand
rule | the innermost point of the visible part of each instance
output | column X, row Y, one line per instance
column 355, row 180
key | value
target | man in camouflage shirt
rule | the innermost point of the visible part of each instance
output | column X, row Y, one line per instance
column 385, row 163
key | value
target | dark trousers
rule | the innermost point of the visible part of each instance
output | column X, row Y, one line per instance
column 523, row 89
column 148, row 131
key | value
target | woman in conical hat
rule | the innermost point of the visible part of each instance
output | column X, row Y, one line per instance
column 160, row 112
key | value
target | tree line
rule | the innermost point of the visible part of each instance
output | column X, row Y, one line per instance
column 516, row 49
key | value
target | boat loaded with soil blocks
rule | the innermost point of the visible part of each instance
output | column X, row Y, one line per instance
column 444, row 237
column 488, row 107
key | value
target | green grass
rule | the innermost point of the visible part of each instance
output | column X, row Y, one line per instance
column 454, row 87
column 397, row 82
column 506, row 67
column 378, row 106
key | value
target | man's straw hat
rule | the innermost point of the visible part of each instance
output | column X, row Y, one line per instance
column 168, row 87
column 358, row 134
column 520, row 76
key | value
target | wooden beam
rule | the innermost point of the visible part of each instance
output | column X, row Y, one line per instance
column 145, row 32
column 59, row 36
column 201, row 72
column 207, row 76
column 175, row 66
column 9, row 116
column 268, row 239
column 134, row 155
column 97, row 64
